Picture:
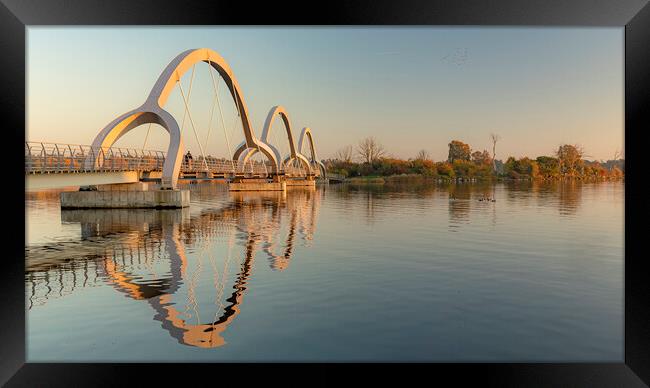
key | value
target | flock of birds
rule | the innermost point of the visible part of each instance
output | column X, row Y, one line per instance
column 482, row 199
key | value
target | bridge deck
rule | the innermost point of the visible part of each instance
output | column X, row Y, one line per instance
column 52, row 158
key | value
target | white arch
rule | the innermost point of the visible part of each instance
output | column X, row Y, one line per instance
column 152, row 112
column 307, row 135
column 243, row 153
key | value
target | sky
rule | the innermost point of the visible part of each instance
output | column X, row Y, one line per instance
column 412, row 88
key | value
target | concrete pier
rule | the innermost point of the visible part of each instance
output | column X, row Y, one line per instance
column 301, row 182
column 256, row 185
column 136, row 186
column 108, row 198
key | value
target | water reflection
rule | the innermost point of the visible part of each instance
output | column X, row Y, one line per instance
column 463, row 201
column 570, row 197
column 266, row 273
column 566, row 196
column 157, row 256
column 459, row 205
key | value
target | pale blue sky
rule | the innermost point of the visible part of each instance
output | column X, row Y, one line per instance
column 412, row 87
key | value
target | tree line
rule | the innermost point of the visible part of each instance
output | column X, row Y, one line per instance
column 370, row 158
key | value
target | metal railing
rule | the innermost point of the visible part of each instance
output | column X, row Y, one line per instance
column 300, row 171
column 225, row 166
column 47, row 158
column 59, row 158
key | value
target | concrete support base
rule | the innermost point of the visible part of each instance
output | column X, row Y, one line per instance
column 116, row 199
column 301, row 182
column 205, row 175
column 250, row 185
column 137, row 186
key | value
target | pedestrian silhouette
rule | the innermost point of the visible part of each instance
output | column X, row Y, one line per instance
column 188, row 159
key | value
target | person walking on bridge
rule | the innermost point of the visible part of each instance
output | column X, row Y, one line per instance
column 188, row 160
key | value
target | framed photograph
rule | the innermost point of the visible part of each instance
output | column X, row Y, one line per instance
column 209, row 188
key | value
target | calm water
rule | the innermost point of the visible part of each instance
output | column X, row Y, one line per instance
column 340, row 273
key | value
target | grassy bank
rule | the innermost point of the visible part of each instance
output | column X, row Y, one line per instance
column 419, row 178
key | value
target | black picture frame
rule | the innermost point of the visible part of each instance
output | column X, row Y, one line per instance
column 633, row 15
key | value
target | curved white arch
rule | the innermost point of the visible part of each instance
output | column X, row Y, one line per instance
column 152, row 111
column 243, row 152
column 307, row 135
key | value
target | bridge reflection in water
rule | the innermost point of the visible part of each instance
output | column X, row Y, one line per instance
column 157, row 256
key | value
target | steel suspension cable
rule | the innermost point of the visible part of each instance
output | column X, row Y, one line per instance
column 239, row 115
column 189, row 95
column 223, row 122
column 257, row 145
column 210, row 122
column 263, row 164
column 234, row 91
column 234, row 126
column 189, row 114
column 300, row 168
column 146, row 137
column 234, row 123
column 280, row 148
column 178, row 79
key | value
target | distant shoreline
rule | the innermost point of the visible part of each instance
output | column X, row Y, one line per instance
column 408, row 178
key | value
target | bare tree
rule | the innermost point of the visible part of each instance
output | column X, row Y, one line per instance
column 423, row 155
column 495, row 138
column 617, row 154
column 370, row 149
column 345, row 154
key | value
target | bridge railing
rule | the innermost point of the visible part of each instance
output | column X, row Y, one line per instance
column 291, row 170
column 58, row 158
column 316, row 169
column 225, row 166
column 221, row 165
column 45, row 158
column 300, row 170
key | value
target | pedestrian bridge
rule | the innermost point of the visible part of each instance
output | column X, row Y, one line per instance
column 51, row 165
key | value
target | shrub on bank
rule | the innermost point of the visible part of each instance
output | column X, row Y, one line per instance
column 479, row 165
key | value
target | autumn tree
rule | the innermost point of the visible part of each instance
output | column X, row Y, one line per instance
column 464, row 168
column 510, row 167
column 521, row 168
column 594, row 170
column 445, row 169
column 528, row 167
column 369, row 149
column 458, row 151
column 481, row 158
column 423, row 166
column 570, row 158
column 549, row 167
